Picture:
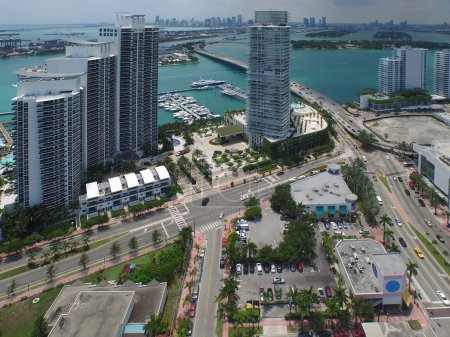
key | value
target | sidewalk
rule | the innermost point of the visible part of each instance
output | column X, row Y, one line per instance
column 183, row 306
column 89, row 271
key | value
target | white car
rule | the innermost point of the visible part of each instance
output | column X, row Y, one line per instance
column 238, row 269
column 442, row 297
column 259, row 269
column 273, row 269
column 339, row 233
column 399, row 223
column 334, row 226
column 387, row 157
column 244, row 197
column 278, row 280
column 221, row 215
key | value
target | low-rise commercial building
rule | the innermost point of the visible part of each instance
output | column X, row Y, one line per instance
column 434, row 164
column 129, row 189
column 325, row 193
column 105, row 310
column 372, row 273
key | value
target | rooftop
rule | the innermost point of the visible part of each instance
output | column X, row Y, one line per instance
column 356, row 257
column 323, row 188
column 306, row 119
column 229, row 130
column 129, row 180
column 85, row 310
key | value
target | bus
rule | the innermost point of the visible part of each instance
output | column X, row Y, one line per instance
column 380, row 202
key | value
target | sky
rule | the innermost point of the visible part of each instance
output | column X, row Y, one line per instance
column 340, row 11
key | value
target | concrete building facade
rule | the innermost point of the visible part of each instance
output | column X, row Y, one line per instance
column 47, row 138
column 268, row 78
column 389, row 70
column 136, row 49
column 442, row 73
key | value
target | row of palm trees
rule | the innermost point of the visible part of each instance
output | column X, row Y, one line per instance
column 53, row 252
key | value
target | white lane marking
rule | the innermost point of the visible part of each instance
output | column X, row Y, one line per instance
column 164, row 228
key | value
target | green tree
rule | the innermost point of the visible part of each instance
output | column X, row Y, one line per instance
column 316, row 321
column 189, row 285
column 156, row 236
column 51, row 272
column 366, row 139
column 183, row 326
column 114, row 250
column 411, row 268
column 253, row 212
column 84, row 260
column 155, row 325
column 40, row 327
column 11, row 290
column 85, row 243
column 31, row 259
column 384, row 219
column 133, row 244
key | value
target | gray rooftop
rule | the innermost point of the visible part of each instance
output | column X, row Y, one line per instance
column 390, row 263
column 85, row 310
column 391, row 329
column 358, row 273
column 323, row 188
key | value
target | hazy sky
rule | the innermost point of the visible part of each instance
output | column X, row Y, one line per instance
column 97, row 11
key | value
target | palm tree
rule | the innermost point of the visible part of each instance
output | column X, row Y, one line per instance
column 193, row 272
column 84, row 260
column 341, row 296
column 114, row 250
column 31, row 259
column 51, row 272
column 55, row 247
column 46, row 254
column 153, row 325
column 189, row 285
column 85, row 241
column 389, row 235
column 133, row 244
column 187, row 299
column 447, row 214
column 65, row 245
column 384, row 219
column 412, row 268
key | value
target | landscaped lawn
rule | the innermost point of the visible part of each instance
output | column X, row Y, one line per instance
column 17, row 320
column 113, row 272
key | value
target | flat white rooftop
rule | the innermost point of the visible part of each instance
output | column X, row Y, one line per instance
column 162, row 172
column 92, row 190
column 147, row 176
column 115, row 185
column 132, row 180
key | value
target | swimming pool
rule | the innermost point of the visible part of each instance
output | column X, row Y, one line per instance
column 134, row 328
column 175, row 142
column 6, row 160
column 296, row 106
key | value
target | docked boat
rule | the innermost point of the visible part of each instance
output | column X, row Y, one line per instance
column 206, row 83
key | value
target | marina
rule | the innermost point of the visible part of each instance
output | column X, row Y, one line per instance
column 236, row 92
column 183, row 108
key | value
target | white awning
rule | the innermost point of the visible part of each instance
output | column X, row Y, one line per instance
column 147, row 176
column 162, row 172
column 131, row 180
column 115, row 185
column 92, row 190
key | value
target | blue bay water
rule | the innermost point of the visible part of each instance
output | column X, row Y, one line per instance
column 339, row 74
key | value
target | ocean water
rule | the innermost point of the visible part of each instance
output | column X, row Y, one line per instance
column 339, row 74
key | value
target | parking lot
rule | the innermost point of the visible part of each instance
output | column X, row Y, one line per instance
column 345, row 227
column 269, row 230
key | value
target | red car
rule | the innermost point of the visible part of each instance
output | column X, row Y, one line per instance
column 192, row 309
column 224, row 242
column 300, row 267
column 328, row 292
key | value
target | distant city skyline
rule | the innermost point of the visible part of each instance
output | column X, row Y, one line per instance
column 336, row 11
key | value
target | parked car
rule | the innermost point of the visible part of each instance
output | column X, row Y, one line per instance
column 252, row 268
column 400, row 179
column 421, row 203
column 192, row 310
column 270, row 293
column 402, row 242
column 273, row 268
column 363, row 231
column 374, row 178
column 189, row 329
column 304, row 334
column 238, row 269
column 387, row 157
column 292, row 267
column 334, row 225
column 278, row 280
column 443, row 298
column 440, row 238
column 266, row 267
column 279, row 268
column 321, row 293
column 280, row 173
column 205, row 201
column 328, row 292
column 324, row 333
column 300, row 266
column 259, row 269
column 245, row 269
column 407, row 192
column 222, row 263
column 419, row 253
column 327, row 225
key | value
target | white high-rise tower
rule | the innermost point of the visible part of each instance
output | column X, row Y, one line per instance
column 442, row 73
column 268, row 80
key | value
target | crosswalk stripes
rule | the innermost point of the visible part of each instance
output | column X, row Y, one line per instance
column 179, row 220
column 210, row 226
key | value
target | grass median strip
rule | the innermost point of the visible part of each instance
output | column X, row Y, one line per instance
column 432, row 250
column 385, row 183
column 23, row 269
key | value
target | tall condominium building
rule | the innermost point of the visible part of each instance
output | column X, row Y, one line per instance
column 268, row 80
column 136, row 49
column 405, row 70
column 442, row 73
column 47, row 137
column 389, row 70
column 97, row 65
column 413, row 67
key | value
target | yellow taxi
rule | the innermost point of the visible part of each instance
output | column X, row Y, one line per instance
column 419, row 253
